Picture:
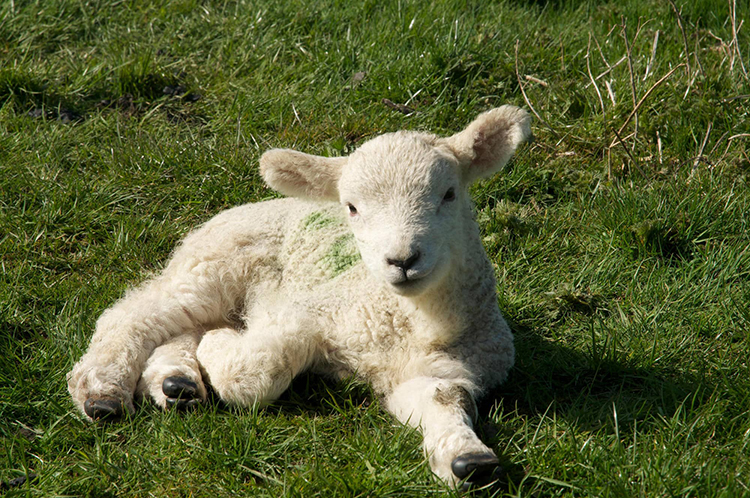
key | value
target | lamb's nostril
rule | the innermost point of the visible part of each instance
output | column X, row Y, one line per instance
column 404, row 264
column 411, row 260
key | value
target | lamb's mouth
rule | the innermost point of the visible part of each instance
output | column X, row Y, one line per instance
column 407, row 283
column 411, row 285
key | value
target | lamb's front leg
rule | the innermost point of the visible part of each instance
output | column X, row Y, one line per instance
column 444, row 410
column 104, row 380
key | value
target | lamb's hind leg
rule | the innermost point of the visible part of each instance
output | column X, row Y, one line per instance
column 257, row 365
column 444, row 410
column 172, row 377
column 103, row 381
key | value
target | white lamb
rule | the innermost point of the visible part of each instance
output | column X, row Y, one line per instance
column 375, row 268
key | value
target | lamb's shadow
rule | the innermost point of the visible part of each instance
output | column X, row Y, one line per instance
column 312, row 394
column 309, row 394
column 585, row 389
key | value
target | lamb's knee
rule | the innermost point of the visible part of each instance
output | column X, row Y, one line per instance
column 245, row 369
column 458, row 397
column 247, row 379
column 215, row 344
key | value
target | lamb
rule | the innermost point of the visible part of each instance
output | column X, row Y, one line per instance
column 372, row 267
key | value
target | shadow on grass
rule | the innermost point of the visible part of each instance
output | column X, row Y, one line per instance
column 578, row 387
column 131, row 93
column 584, row 389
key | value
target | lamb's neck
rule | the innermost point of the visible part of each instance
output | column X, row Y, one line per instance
column 444, row 313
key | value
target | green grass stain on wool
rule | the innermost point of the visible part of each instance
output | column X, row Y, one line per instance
column 318, row 220
column 342, row 255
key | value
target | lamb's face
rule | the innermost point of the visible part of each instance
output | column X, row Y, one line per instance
column 406, row 193
column 405, row 203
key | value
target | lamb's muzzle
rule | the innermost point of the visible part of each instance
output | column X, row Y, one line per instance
column 404, row 264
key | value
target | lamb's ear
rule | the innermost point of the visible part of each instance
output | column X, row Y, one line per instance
column 302, row 175
column 484, row 147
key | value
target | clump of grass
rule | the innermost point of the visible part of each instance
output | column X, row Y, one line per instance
column 566, row 299
column 655, row 237
column 142, row 78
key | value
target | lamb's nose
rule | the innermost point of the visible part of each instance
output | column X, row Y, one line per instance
column 404, row 264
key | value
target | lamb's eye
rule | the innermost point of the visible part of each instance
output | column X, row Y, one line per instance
column 352, row 209
column 450, row 195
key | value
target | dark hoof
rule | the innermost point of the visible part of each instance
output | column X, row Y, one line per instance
column 105, row 409
column 179, row 387
column 477, row 467
column 182, row 405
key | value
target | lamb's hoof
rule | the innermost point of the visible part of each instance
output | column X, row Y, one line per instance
column 179, row 387
column 476, row 468
column 182, row 405
column 181, row 392
column 104, row 409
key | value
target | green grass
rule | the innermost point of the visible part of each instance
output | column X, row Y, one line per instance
column 624, row 268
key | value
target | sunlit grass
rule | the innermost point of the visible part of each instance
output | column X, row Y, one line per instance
column 620, row 238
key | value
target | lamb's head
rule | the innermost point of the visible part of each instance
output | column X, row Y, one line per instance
column 406, row 193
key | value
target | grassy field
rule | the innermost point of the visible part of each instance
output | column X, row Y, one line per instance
column 621, row 237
